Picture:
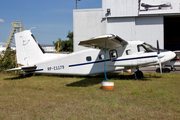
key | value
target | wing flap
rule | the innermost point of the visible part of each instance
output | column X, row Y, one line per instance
column 112, row 41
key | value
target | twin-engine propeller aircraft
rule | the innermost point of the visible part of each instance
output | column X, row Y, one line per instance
column 110, row 53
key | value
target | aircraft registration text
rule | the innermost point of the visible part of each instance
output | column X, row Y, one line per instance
column 55, row 68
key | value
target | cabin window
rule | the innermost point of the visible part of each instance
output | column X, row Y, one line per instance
column 128, row 52
column 113, row 54
column 101, row 56
column 88, row 58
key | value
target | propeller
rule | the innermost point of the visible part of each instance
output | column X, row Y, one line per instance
column 159, row 56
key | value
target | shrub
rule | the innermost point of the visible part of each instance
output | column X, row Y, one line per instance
column 7, row 60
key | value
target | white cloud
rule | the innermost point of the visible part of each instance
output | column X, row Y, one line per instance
column 1, row 20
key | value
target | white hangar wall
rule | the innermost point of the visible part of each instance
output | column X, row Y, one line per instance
column 148, row 29
column 126, row 19
column 123, row 27
column 121, row 7
column 87, row 23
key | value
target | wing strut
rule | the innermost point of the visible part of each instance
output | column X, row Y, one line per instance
column 105, row 63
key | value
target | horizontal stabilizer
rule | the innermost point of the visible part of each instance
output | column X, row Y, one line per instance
column 13, row 69
column 24, row 68
column 112, row 41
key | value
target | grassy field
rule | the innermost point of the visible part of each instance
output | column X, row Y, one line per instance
column 80, row 98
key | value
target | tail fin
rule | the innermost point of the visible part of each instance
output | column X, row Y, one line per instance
column 28, row 50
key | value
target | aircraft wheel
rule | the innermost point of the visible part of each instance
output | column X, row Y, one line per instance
column 164, row 70
column 138, row 75
column 173, row 69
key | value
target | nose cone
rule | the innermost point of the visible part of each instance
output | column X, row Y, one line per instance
column 168, row 56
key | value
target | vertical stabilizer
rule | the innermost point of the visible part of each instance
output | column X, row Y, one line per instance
column 28, row 50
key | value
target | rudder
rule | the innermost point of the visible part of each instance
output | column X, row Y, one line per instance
column 28, row 50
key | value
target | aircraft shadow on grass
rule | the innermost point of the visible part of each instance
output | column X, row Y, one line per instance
column 18, row 77
column 93, row 80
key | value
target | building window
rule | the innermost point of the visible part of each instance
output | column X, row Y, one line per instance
column 88, row 58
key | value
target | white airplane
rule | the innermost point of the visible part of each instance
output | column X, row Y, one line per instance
column 110, row 53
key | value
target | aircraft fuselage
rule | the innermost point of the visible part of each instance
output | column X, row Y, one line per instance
column 91, row 61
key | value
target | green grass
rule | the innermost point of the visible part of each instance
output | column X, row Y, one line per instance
column 80, row 98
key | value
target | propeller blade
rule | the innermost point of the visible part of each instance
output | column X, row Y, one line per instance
column 159, row 57
column 158, row 47
column 160, row 65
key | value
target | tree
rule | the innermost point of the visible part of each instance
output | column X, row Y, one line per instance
column 65, row 45
column 7, row 60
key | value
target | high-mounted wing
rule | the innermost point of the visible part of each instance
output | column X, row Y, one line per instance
column 112, row 41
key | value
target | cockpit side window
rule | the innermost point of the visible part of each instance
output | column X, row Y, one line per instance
column 141, row 48
column 148, row 48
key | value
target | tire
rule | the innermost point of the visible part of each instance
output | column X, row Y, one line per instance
column 164, row 70
column 138, row 75
column 28, row 74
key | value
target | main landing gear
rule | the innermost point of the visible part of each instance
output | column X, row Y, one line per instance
column 164, row 70
column 28, row 74
column 138, row 75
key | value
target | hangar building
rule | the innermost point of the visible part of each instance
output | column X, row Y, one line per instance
column 145, row 20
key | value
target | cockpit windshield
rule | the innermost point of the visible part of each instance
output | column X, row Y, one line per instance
column 148, row 48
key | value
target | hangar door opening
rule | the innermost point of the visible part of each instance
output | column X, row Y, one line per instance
column 172, row 33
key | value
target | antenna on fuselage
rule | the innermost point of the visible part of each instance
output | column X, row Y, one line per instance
column 32, row 28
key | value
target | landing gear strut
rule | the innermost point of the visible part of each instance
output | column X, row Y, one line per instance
column 138, row 75
column 28, row 75
column 173, row 69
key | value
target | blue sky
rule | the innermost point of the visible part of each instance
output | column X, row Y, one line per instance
column 53, row 18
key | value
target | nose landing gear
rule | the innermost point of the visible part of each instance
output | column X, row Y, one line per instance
column 173, row 68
